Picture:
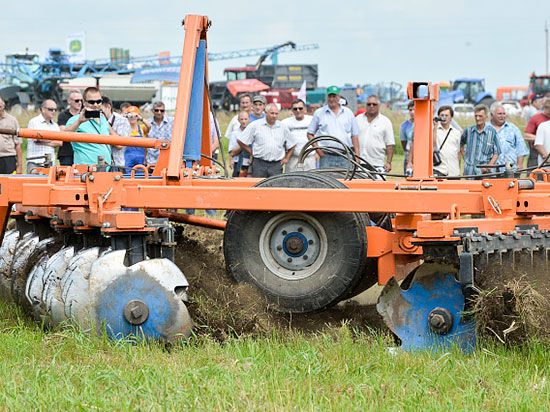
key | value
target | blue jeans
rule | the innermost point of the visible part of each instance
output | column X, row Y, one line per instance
column 333, row 161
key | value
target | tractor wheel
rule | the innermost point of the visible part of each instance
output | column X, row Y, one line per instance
column 301, row 261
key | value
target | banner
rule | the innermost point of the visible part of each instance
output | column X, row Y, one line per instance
column 302, row 95
column 76, row 47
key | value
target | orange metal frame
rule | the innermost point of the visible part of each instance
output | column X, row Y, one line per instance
column 427, row 208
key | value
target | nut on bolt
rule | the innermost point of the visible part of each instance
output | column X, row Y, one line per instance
column 91, row 178
column 117, row 178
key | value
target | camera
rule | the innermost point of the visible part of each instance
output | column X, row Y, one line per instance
column 92, row 114
column 439, row 119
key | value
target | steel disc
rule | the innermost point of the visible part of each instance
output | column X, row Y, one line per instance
column 7, row 251
column 120, row 296
column 429, row 314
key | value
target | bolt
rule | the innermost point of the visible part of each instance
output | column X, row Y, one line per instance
column 486, row 185
column 194, row 173
column 106, row 225
column 305, row 257
column 91, row 178
column 289, row 260
column 437, row 320
column 279, row 248
column 94, row 169
column 511, row 185
column 79, row 223
column 164, row 145
column 284, row 232
column 136, row 312
column 310, row 241
column 117, row 178
column 185, row 174
column 300, row 229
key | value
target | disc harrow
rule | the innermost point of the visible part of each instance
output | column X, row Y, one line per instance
column 95, row 247
column 94, row 287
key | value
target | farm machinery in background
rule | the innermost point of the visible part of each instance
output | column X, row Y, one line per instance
column 539, row 85
column 279, row 83
column 466, row 91
column 95, row 247
column 25, row 79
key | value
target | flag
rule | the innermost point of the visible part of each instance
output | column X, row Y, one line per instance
column 76, row 47
column 302, row 93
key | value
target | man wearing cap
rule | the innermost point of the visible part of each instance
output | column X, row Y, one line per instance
column 531, row 130
column 11, row 157
column 376, row 136
column 336, row 121
column 90, row 120
column 270, row 139
column 258, row 107
column 38, row 149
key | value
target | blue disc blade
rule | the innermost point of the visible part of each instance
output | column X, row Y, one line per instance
column 406, row 312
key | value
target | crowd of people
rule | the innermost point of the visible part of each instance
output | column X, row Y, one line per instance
column 261, row 145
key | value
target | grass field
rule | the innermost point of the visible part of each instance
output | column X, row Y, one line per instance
column 335, row 369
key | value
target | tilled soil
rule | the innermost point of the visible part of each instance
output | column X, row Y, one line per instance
column 514, row 304
column 222, row 308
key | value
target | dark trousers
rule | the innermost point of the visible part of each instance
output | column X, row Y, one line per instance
column 533, row 159
column 261, row 168
column 8, row 164
column 65, row 160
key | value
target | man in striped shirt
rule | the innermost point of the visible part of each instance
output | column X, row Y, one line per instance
column 272, row 143
column 479, row 143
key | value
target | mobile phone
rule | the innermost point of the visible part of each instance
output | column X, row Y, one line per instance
column 91, row 114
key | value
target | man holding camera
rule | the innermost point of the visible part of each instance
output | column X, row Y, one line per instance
column 90, row 120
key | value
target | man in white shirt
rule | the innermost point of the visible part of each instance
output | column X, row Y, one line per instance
column 450, row 150
column 245, row 103
column 38, row 149
column 298, row 124
column 269, row 139
column 542, row 141
column 240, row 165
column 376, row 139
column 120, row 125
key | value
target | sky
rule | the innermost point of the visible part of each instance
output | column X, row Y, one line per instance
column 360, row 42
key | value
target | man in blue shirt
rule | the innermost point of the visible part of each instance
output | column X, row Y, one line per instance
column 511, row 142
column 88, row 153
column 406, row 134
column 480, row 144
column 336, row 121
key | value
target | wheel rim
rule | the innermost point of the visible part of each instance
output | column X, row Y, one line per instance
column 293, row 246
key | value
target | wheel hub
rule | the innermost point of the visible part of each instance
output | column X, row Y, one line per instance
column 292, row 246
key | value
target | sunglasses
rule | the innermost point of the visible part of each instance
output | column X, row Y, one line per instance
column 372, row 104
column 98, row 101
column 295, row 109
column 159, row 110
column 77, row 100
column 51, row 109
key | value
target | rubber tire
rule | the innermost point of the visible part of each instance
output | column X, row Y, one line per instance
column 342, row 270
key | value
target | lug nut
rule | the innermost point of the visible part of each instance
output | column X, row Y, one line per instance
column 300, row 229
column 289, row 260
column 279, row 248
column 305, row 257
column 284, row 232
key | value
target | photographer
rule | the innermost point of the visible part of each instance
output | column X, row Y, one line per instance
column 90, row 120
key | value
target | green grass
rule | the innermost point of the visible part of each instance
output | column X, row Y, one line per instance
column 337, row 370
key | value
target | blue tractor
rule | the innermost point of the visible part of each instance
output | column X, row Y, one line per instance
column 468, row 91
